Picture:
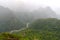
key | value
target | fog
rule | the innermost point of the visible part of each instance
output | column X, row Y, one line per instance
column 30, row 4
column 29, row 20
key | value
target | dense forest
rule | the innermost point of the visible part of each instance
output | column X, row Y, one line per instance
column 8, row 20
column 43, row 24
column 11, row 20
column 41, row 29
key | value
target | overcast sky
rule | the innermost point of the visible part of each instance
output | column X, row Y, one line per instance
column 54, row 4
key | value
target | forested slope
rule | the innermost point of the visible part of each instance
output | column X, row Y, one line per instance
column 42, row 29
column 8, row 20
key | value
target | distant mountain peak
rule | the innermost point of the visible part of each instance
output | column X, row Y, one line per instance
column 44, row 13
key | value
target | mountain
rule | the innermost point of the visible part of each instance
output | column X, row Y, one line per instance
column 58, row 12
column 44, row 13
column 50, row 24
column 8, row 20
column 4, row 13
column 49, row 29
column 29, row 16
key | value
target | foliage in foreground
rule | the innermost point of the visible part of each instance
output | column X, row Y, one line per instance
column 31, row 35
column 45, row 29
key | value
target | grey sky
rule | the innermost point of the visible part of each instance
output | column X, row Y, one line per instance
column 54, row 4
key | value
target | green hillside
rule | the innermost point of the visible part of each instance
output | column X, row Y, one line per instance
column 8, row 20
column 42, row 29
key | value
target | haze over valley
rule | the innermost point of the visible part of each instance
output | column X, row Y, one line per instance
column 29, row 20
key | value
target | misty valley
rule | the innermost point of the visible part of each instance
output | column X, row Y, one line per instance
column 39, row 24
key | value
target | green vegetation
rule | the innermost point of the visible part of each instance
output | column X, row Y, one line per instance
column 12, row 24
column 42, row 29
column 8, row 20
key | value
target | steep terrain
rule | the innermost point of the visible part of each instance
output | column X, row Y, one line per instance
column 44, row 13
column 29, row 16
column 8, row 20
column 42, row 29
